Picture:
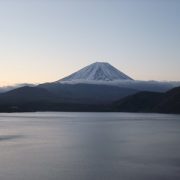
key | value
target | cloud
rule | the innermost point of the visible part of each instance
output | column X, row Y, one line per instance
column 8, row 88
column 158, row 86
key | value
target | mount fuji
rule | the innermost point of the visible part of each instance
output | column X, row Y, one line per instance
column 93, row 84
column 97, row 87
column 98, row 71
column 98, row 83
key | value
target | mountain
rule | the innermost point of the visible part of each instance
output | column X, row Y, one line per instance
column 100, row 83
column 99, row 71
column 171, row 102
column 66, row 96
column 97, row 87
column 91, row 85
column 26, row 94
column 82, row 93
column 8, row 88
column 140, row 102
column 39, row 99
column 102, row 73
column 168, row 102
column 30, row 99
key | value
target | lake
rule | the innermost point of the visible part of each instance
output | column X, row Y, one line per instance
column 89, row 146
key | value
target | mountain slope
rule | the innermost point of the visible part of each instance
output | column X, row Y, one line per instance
column 30, row 99
column 77, row 88
column 26, row 94
column 96, row 72
column 88, row 93
column 171, row 102
column 39, row 99
column 168, row 102
column 140, row 102
column 98, row 83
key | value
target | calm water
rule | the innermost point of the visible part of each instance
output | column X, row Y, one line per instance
column 89, row 146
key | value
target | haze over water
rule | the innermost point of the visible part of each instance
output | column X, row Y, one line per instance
column 89, row 146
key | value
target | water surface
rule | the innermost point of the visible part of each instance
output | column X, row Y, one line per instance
column 89, row 146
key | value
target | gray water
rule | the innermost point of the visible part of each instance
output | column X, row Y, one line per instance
column 89, row 146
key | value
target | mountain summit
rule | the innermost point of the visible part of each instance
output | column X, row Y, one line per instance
column 99, row 71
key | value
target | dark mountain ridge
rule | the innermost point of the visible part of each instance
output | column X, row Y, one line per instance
column 38, row 99
column 26, row 94
column 168, row 102
column 63, row 97
column 88, row 93
column 97, row 87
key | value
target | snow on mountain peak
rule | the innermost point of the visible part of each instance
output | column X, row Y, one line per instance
column 98, row 71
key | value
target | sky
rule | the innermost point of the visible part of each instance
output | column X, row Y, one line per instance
column 45, row 40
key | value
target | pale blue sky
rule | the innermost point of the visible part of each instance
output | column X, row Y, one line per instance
column 44, row 40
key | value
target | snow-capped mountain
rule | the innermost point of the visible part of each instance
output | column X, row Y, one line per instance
column 93, row 88
column 99, row 71
column 99, row 83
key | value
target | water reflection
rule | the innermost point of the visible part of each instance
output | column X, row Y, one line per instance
column 9, row 137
